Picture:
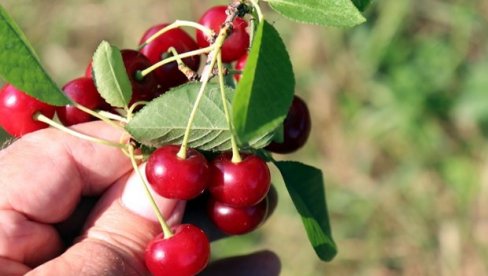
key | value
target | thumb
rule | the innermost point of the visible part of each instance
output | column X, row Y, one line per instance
column 116, row 233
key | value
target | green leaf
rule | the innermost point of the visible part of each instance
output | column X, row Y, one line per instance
column 20, row 66
column 111, row 76
column 337, row 13
column 265, row 92
column 306, row 187
column 163, row 120
column 361, row 4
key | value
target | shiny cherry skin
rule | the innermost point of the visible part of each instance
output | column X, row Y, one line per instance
column 240, row 64
column 297, row 127
column 17, row 110
column 84, row 92
column 142, row 89
column 186, row 253
column 237, row 221
column 236, row 43
column 173, row 177
column 240, row 184
column 169, row 75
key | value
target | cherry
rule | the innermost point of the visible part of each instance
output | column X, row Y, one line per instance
column 17, row 110
column 89, row 71
column 297, row 127
column 236, row 43
column 169, row 75
column 237, row 221
column 240, row 64
column 84, row 92
column 142, row 89
column 185, row 253
column 173, row 177
column 240, row 184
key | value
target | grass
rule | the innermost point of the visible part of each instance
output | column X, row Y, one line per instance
column 400, row 120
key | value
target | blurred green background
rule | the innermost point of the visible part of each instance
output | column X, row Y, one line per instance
column 400, row 121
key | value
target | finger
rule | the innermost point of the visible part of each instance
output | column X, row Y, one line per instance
column 264, row 263
column 12, row 268
column 43, row 174
column 71, row 227
column 27, row 242
column 115, row 234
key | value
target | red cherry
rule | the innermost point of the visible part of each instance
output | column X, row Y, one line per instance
column 17, row 110
column 142, row 89
column 89, row 71
column 240, row 184
column 297, row 127
column 240, row 64
column 84, row 92
column 173, row 177
column 169, row 75
column 237, row 221
column 185, row 253
column 236, row 43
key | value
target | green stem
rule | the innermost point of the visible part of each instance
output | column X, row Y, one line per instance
column 236, row 157
column 255, row 4
column 130, row 111
column 207, row 71
column 95, row 114
column 177, row 24
column 165, row 61
column 164, row 226
column 59, row 126
column 112, row 116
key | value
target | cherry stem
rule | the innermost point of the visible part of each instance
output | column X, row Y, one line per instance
column 177, row 24
column 189, row 73
column 96, row 114
column 112, row 116
column 130, row 111
column 207, row 72
column 255, row 4
column 165, row 61
column 164, row 226
column 236, row 157
column 44, row 119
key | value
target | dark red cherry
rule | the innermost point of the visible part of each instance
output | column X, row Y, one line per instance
column 297, row 127
column 173, row 177
column 240, row 184
column 17, row 110
column 236, row 221
column 240, row 64
column 236, row 43
column 169, row 75
column 142, row 89
column 84, row 92
column 185, row 253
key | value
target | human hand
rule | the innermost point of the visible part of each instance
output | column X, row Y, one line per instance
column 43, row 177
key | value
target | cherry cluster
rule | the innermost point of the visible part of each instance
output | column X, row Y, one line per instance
column 238, row 185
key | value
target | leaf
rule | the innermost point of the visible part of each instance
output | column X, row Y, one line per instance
column 361, row 4
column 265, row 92
column 336, row 13
column 306, row 187
column 20, row 66
column 163, row 120
column 110, row 74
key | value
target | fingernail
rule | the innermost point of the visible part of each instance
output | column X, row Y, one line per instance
column 135, row 198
